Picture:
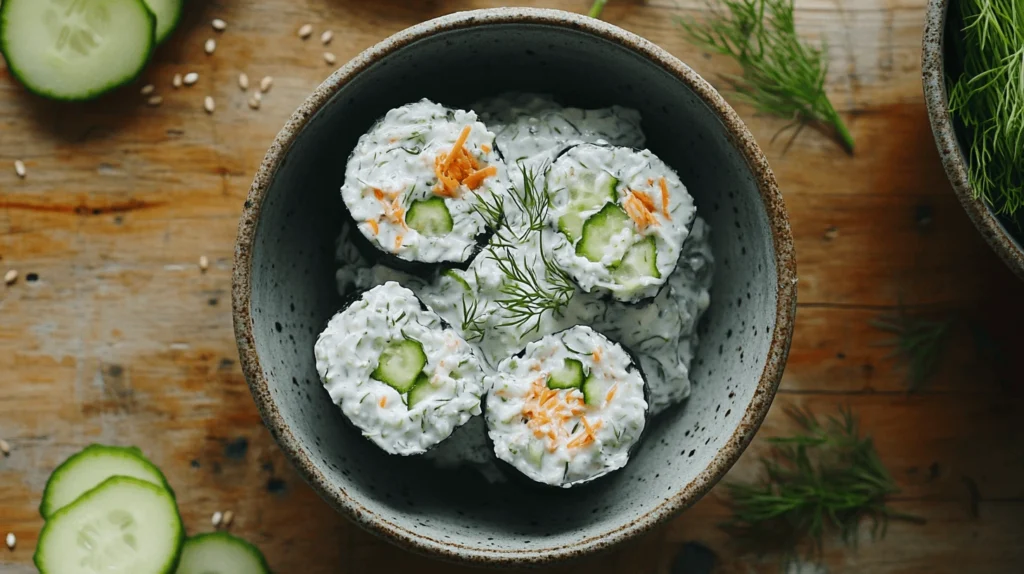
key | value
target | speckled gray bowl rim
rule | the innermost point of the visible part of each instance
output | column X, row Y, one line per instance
column 933, row 75
column 782, row 242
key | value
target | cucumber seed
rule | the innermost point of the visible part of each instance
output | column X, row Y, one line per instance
column 210, row 46
column 217, row 517
column 11, row 541
column 147, row 89
column 5, row 448
column 326, row 37
column 177, row 82
column 11, row 277
column 19, row 168
column 219, row 25
column 228, row 518
column 209, row 105
column 305, row 31
column 243, row 81
column 329, row 58
column 266, row 83
column 191, row 78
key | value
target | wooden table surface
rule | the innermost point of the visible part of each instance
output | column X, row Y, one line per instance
column 117, row 337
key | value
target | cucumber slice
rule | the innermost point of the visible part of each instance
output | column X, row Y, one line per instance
column 93, row 465
column 430, row 217
column 421, row 390
column 167, row 13
column 592, row 190
column 569, row 376
column 221, row 553
column 571, row 225
column 400, row 364
column 589, row 191
column 641, row 260
column 599, row 229
column 76, row 50
column 123, row 526
column 595, row 390
column 535, row 453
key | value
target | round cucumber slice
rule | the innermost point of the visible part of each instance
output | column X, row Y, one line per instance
column 221, row 553
column 93, row 465
column 123, row 526
column 167, row 12
column 76, row 50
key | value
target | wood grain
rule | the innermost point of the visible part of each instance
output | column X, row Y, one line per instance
column 121, row 338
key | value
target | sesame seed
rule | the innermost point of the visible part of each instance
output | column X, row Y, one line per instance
column 219, row 25
column 266, row 83
column 147, row 89
column 19, row 168
column 5, row 448
column 11, row 541
column 210, row 46
column 209, row 105
column 11, row 276
column 305, row 31
column 243, row 81
column 177, row 82
column 326, row 37
column 228, row 518
column 191, row 78
column 155, row 101
column 217, row 517
column 204, row 264
column 254, row 101
column 329, row 58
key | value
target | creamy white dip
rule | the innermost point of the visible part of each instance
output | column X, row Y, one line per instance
column 553, row 436
column 394, row 165
column 348, row 351
column 661, row 330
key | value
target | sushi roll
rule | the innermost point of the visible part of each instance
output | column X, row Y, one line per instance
column 410, row 185
column 567, row 410
column 622, row 216
column 399, row 373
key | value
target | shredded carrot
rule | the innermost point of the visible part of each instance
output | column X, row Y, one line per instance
column 597, row 355
column 611, row 393
column 650, row 181
column 398, row 242
column 383, row 401
column 664, row 197
column 459, row 167
column 636, row 211
column 373, row 225
column 476, row 178
column 645, row 200
column 378, row 194
column 485, row 148
column 463, row 136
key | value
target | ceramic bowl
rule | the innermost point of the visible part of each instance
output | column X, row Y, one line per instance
column 284, row 285
column 938, row 62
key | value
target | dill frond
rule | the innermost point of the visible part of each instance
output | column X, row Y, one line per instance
column 525, row 297
column 825, row 477
column 989, row 99
column 782, row 75
column 917, row 343
column 597, row 8
column 474, row 322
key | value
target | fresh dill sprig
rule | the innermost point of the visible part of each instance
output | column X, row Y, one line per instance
column 917, row 344
column 782, row 75
column 597, row 8
column 474, row 322
column 531, row 201
column 989, row 99
column 525, row 298
column 827, row 476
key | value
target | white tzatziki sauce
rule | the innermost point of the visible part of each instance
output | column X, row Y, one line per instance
column 662, row 331
column 348, row 350
column 567, row 436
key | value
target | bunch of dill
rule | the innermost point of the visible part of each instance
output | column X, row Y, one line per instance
column 782, row 75
column 826, row 476
column 989, row 99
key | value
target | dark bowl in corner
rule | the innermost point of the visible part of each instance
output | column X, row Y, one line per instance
column 939, row 60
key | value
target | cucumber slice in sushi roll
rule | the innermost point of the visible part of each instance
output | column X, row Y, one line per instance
column 398, row 372
column 412, row 182
column 568, row 410
column 623, row 216
column 73, row 51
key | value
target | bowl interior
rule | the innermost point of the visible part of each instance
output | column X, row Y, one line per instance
column 293, row 294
